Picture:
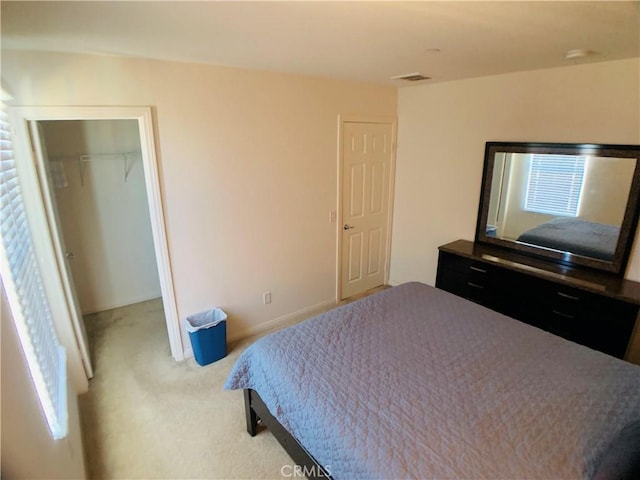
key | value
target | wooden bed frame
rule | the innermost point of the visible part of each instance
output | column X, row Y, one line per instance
column 257, row 412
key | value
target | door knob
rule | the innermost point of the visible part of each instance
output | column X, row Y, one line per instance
column 348, row 227
column 69, row 255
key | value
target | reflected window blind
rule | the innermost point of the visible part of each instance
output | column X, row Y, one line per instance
column 24, row 287
column 555, row 184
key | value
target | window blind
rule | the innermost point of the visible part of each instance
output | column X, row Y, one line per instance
column 555, row 184
column 23, row 283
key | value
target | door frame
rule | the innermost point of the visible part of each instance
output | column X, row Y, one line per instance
column 38, row 200
column 349, row 118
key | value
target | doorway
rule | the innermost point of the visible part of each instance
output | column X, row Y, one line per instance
column 366, row 170
column 39, row 130
column 97, row 179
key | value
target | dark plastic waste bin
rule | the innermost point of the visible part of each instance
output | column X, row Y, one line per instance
column 208, row 335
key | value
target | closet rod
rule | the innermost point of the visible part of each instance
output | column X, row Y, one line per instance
column 89, row 156
column 84, row 159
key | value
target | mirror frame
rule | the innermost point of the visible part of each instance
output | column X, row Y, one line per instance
column 629, row 224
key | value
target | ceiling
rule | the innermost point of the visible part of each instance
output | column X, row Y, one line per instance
column 365, row 41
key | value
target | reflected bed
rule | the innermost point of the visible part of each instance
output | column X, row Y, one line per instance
column 414, row 382
column 579, row 237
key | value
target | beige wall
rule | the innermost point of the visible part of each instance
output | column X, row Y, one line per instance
column 248, row 170
column 606, row 189
column 443, row 129
column 104, row 215
column 28, row 451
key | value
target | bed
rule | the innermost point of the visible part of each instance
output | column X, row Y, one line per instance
column 574, row 235
column 414, row 382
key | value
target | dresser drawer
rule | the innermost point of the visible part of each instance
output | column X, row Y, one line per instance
column 613, row 328
column 466, row 278
column 463, row 285
column 463, row 265
column 594, row 320
column 599, row 321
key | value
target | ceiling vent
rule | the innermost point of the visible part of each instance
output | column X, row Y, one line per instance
column 411, row 77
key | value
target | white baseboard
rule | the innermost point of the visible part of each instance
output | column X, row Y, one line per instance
column 122, row 303
column 276, row 323
column 279, row 322
column 188, row 352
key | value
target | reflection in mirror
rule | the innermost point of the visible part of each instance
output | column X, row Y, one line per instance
column 561, row 200
column 573, row 203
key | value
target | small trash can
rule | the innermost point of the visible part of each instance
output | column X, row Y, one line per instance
column 208, row 335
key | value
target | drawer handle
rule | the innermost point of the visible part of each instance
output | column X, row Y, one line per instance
column 475, row 285
column 565, row 315
column 478, row 269
column 566, row 295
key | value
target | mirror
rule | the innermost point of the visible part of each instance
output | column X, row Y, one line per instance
column 576, row 204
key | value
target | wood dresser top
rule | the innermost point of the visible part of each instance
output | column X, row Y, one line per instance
column 589, row 280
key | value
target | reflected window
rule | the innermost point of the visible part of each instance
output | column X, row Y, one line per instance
column 555, row 184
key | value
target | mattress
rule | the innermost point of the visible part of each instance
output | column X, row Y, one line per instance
column 414, row 382
column 576, row 236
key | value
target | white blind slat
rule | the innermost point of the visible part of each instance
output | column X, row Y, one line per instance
column 28, row 302
column 555, row 183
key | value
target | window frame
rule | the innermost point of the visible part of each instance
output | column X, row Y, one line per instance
column 24, row 287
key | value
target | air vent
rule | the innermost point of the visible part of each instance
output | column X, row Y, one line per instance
column 411, row 77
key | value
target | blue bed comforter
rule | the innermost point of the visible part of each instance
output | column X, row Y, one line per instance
column 414, row 382
column 576, row 236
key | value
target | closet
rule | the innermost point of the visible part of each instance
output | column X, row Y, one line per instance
column 96, row 175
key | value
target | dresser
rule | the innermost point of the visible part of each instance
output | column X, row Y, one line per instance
column 591, row 308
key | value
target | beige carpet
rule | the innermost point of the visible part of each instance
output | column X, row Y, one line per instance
column 146, row 416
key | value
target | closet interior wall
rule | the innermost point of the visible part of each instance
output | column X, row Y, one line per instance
column 97, row 177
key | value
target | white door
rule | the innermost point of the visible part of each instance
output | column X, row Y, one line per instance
column 367, row 153
column 63, row 255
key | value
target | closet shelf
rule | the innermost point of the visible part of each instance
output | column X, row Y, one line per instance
column 128, row 161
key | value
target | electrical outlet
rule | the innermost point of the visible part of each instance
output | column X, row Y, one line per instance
column 266, row 298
